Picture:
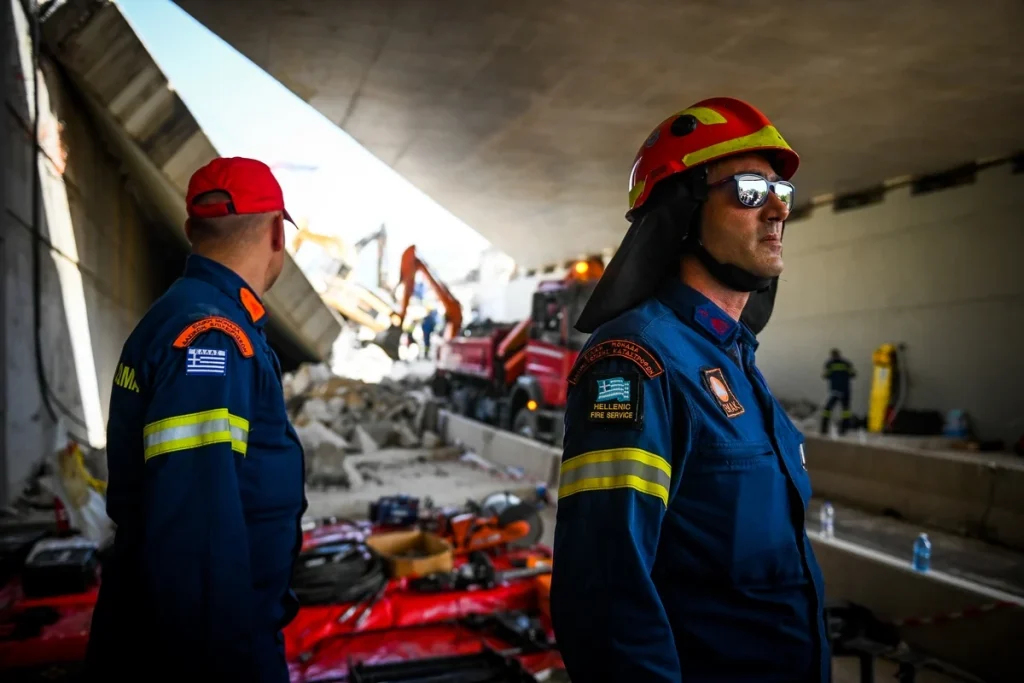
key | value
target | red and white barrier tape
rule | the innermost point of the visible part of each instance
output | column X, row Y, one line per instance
column 967, row 612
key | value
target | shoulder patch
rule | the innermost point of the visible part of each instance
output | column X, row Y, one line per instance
column 616, row 399
column 620, row 348
column 206, row 361
column 215, row 322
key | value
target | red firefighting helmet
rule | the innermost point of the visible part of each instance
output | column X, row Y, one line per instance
column 709, row 130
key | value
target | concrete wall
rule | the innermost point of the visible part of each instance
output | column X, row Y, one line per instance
column 102, row 266
column 940, row 272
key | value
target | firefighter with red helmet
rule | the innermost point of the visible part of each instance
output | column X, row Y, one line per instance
column 680, row 549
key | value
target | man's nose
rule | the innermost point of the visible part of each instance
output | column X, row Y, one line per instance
column 774, row 209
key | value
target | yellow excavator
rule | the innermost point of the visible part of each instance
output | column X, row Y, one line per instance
column 356, row 303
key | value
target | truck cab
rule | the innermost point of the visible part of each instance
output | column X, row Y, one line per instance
column 537, row 399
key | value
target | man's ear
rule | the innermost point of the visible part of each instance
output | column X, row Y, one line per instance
column 188, row 229
column 277, row 233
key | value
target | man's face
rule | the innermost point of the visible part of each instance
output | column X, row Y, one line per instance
column 750, row 239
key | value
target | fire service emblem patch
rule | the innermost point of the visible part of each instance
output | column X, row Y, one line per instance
column 714, row 381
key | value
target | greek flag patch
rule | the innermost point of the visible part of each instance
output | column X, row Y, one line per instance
column 206, row 361
column 612, row 389
column 616, row 400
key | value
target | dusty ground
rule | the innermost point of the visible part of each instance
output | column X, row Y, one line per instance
column 435, row 473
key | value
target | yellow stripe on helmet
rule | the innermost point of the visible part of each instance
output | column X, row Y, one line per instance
column 766, row 137
column 705, row 115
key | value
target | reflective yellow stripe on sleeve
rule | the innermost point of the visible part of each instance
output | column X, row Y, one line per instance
column 194, row 430
column 616, row 468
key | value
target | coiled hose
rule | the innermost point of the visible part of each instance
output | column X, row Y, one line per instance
column 338, row 573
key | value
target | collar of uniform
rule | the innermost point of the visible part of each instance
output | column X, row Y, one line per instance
column 700, row 312
column 229, row 282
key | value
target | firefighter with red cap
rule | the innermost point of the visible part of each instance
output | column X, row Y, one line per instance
column 680, row 551
column 206, row 472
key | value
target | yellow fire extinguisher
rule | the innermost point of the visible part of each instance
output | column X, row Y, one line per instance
column 884, row 361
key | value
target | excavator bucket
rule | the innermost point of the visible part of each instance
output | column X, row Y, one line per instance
column 389, row 340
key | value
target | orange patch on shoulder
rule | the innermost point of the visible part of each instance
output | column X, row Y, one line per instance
column 189, row 334
column 252, row 305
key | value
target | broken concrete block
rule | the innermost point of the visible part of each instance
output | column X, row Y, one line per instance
column 323, row 448
column 426, row 418
column 355, row 401
column 394, row 412
column 366, row 443
column 343, row 425
column 298, row 383
column 329, row 476
column 431, row 439
column 316, row 409
column 383, row 433
column 406, row 437
column 319, row 373
column 336, row 405
column 315, row 434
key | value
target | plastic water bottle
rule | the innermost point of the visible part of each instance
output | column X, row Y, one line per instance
column 922, row 553
column 828, row 520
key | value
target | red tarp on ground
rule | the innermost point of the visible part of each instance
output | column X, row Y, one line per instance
column 331, row 657
column 65, row 640
column 402, row 607
column 62, row 641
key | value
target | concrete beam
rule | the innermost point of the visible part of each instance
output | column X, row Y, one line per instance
column 977, row 495
column 155, row 135
column 979, row 641
column 538, row 461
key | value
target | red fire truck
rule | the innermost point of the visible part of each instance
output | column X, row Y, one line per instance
column 513, row 375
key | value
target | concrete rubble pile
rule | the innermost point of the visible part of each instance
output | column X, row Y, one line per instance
column 337, row 416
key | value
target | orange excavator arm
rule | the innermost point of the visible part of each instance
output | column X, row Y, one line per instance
column 390, row 339
column 412, row 264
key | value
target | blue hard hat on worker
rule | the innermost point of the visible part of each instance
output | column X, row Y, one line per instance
column 667, row 186
column 206, row 472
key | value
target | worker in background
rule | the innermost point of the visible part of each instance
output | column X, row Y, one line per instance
column 838, row 372
column 680, row 552
column 428, row 325
column 206, row 472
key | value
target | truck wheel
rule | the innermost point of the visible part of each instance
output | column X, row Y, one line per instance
column 525, row 424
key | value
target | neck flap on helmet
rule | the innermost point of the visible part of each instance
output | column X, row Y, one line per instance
column 651, row 250
column 649, row 253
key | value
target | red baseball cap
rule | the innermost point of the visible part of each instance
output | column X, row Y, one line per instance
column 250, row 184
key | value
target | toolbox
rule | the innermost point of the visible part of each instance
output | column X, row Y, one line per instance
column 60, row 566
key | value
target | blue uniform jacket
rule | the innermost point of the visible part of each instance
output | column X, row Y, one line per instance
column 680, row 549
column 206, row 489
column 838, row 372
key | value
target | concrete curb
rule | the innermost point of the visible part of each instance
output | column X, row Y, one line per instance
column 538, row 461
column 979, row 643
column 969, row 494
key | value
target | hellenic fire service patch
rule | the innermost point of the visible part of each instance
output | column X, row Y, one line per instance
column 616, row 399
column 621, row 348
column 214, row 322
column 714, row 381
